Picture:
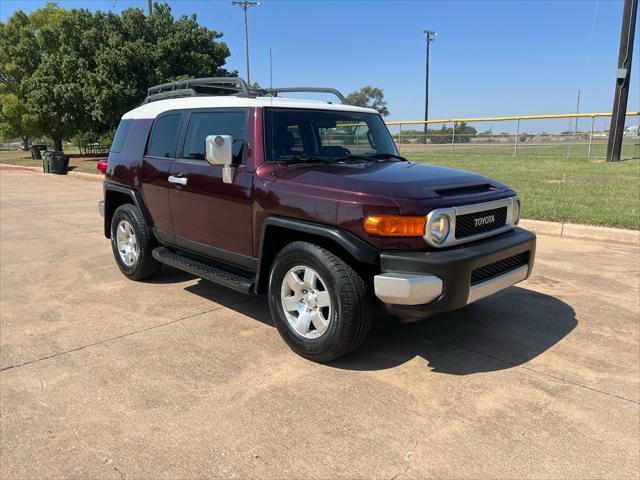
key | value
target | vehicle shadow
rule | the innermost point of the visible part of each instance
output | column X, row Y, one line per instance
column 503, row 331
column 496, row 333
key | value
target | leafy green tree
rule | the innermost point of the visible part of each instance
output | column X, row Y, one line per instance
column 80, row 71
column 463, row 134
column 371, row 97
column 15, row 120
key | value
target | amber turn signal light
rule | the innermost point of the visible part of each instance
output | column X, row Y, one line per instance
column 395, row 226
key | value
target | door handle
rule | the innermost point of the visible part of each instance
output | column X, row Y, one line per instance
column 177, row 180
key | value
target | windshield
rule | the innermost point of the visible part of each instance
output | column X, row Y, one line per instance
column 325, row 135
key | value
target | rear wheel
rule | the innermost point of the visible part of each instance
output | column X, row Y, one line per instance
column 320, row 305
column 132, row 243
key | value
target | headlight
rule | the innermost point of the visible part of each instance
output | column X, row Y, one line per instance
column 439, row 227
column 516, row 211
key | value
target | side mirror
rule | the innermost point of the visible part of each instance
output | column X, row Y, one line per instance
column 218, row 149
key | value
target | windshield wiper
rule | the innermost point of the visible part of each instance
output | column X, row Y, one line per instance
column 380, row 156
column 303, row 158
column 369, row 158
column 353, row 158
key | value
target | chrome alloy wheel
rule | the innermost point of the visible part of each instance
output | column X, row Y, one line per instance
column 127, row 243
column 306, row 302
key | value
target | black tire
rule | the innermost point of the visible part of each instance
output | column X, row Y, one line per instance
column 350, row 320
column 145, row 266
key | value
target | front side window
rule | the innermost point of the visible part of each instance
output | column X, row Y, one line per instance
column 203, row 124
column 162, row 142
column 325, row 135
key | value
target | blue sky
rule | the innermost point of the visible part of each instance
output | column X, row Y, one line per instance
column 491, row 58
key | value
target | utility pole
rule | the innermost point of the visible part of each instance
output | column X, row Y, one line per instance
column 430, row 36
column 623, row 80
column 245, row 5
column 270, row 70
column 150, row 5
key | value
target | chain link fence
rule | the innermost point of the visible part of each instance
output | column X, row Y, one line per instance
column 569, row 135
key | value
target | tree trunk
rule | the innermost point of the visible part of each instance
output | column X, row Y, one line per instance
column 57, row 144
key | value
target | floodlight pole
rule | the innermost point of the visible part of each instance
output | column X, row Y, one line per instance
column 245, row 4
column 623, row 80
column 430, row 36
column 150, row 5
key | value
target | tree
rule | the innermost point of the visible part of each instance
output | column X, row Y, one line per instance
column 75, row 70
column 370, row 97
column 15, row 121
column 463, row 134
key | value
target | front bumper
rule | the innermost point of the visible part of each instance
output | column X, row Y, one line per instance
column 414, row 284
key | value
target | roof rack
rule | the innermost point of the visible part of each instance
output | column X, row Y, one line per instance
column 216, row 86
column 334, row 91
column 219, row 86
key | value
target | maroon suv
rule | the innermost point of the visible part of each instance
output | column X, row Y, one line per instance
column 308, row 202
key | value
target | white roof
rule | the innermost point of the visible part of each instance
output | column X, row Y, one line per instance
column 153, row 109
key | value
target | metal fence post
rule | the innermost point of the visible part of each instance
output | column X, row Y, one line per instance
column 515, row 148
column 453, row 139
column 400, row 138
column 593, row 120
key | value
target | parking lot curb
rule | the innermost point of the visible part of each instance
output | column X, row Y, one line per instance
column 558, row 229
column 89, row 176
column 585, row 232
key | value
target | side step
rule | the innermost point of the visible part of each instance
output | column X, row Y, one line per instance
column 216, row 275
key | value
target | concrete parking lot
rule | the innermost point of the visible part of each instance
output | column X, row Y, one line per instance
column 102, row 377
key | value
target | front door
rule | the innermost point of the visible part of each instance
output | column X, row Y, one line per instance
column 209, row 216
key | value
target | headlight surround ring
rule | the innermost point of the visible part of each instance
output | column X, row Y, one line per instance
column 517, row 209
column 438, row 227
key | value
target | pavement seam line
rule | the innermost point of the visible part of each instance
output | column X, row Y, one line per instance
column 118, row 337
column 48, row 216
column 533, row 370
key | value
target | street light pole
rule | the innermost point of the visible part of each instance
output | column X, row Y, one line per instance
column 245, row 5
column 430, row 37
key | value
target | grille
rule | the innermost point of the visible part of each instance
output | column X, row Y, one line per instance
column 497, row 268
column 466, row 224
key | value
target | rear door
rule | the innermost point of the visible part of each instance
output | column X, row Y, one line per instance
column 155, row 170
column 209, row 216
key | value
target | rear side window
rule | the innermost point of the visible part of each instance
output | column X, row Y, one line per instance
column 202, row 124
column 162, row 142
column 121, row 136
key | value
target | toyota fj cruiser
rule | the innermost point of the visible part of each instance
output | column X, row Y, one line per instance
column 308, row 202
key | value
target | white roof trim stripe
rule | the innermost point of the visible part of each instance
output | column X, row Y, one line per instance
column 153, row 109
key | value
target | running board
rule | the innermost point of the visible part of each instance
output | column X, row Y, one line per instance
column 213, row 274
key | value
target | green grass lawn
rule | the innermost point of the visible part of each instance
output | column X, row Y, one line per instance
column 560, row 189
column 76, row 163
column 630, row 149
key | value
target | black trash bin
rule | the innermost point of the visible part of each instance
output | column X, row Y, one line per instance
column 58, row 162
column 36, row 151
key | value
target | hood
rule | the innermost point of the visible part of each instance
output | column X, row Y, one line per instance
column 399, row 180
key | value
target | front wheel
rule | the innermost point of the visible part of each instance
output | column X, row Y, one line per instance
column 320, row 305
